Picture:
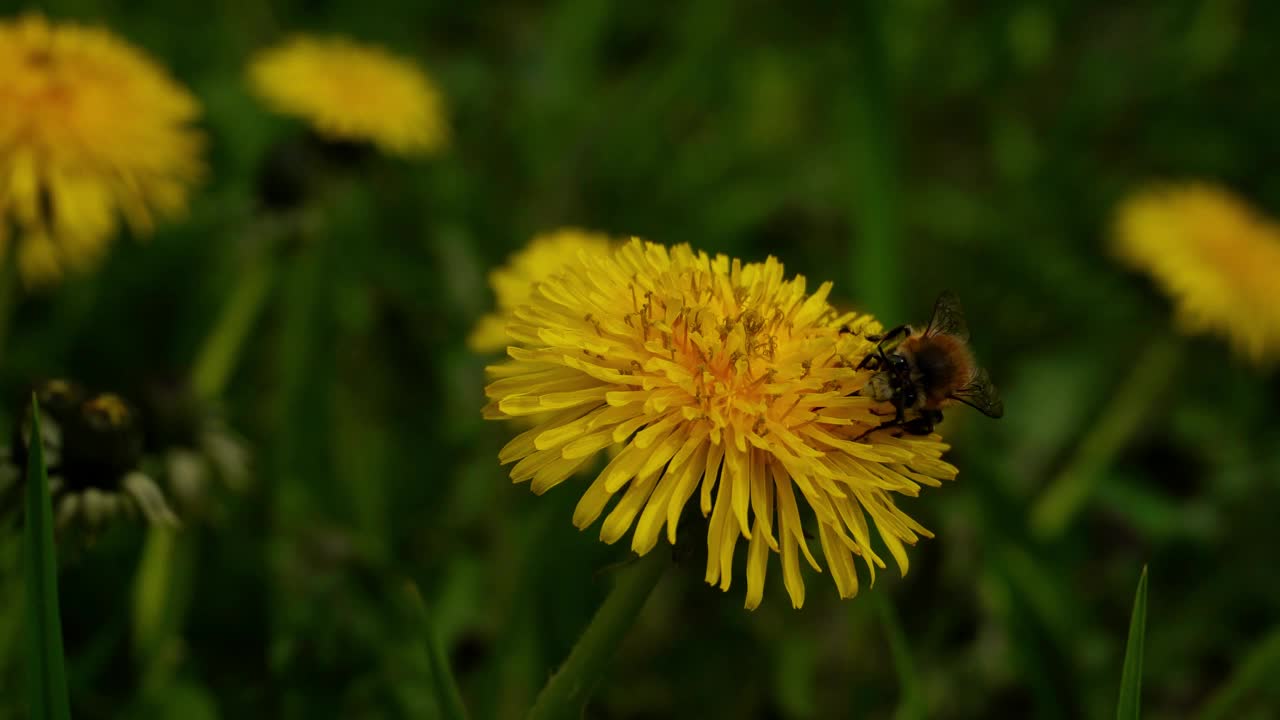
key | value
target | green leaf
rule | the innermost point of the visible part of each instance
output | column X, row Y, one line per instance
column 46, row 675
column 1130, row 703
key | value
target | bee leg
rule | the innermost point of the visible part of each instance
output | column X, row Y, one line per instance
column 899, row 417
column 923, row 425
column 874, row 361
column 918, row 426
column 899, row 407
column 881, row 426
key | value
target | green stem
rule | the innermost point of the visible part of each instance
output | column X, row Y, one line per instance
column 448, row 697
column 875, row 258
column 1130, row 405
column 160, row 604
column 911, row 703
column 151, row 588
column 571, row 686
column 222, row 347
column 1258, row 670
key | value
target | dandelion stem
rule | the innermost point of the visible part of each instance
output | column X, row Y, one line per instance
column 572, row 684
column 875, row 258
column 222, row 348
column 448, row 697
column 911, row 703
column 161, row 600
column 1120, row 421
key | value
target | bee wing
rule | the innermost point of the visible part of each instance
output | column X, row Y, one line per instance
column 981, row 395
column 947, row 317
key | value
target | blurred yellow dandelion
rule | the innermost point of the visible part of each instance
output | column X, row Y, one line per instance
column 718, row 378
column 513, row 283
column 348, row 91
column 89, row 127
column 1215, row 256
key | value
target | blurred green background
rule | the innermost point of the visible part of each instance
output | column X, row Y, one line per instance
column 896, row 150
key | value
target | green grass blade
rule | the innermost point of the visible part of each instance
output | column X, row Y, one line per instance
column 46, row 675
column 1130, row 703
column 911, row 705
column 448, row 697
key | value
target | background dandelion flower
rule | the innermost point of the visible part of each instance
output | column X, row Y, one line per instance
column 93, row 450
column 513, row 283
column 1214, row 255
column 89, row 126
column 717, row 378
column 348, row 91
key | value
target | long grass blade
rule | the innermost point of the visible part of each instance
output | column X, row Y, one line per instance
column 911, row 705
column 47, row 675
column 1130, row 704
column 448, row 697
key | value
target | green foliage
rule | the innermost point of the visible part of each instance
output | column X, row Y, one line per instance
column 1130, row 705
column 448, row 698
column 45, row 672
column 1253, row 676
column 982, row 148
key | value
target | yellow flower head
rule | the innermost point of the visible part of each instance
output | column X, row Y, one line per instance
column 1217, row 257
column 89, row 126
column 513, row 283
column 718, row 378
column 348, row 91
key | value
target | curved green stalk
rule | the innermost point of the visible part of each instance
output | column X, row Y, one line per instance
column 910, row 703
column 448, row 697
column 1122, row 418
column 571, row 686
column 221, row 349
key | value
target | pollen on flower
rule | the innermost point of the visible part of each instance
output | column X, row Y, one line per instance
column 716, row 379
column 1218, row 258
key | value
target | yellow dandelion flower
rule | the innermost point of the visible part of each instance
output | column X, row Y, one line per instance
column 513, row 283
column 1217, row 257
column 348, row 91
column 89, row 127
column 717, row 378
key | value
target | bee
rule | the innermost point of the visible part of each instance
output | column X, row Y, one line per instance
column 922, row 372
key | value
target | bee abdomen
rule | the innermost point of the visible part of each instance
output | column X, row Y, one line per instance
column 945, row 365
